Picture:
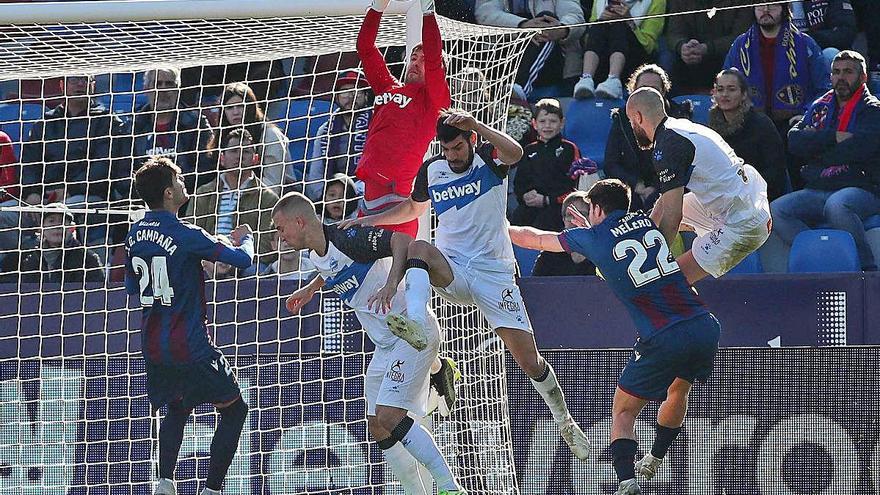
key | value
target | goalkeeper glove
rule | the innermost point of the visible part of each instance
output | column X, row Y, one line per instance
column 427, row 6
column 380, row 5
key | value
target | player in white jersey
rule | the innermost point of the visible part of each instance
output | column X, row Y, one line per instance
column 356, row 264
column 472, row 261
column 727, row 204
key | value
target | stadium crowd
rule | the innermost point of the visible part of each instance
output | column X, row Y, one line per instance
column 807, row 121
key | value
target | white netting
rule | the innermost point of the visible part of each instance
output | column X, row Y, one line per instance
column 73, row 411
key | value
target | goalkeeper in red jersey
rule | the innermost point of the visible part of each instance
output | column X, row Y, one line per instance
column 404, row 114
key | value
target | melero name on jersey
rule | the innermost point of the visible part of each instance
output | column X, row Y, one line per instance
column 628, row 225
column 400, row 99
column 166, row 242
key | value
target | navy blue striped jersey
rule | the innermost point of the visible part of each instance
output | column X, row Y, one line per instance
column 635, row 260
column 164, row 269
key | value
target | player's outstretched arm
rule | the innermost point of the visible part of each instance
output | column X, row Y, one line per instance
column 301, row 297
column 401, row 213
column 667, row 213
column 435, row 71
column 532, row 238
column 375, row 69
column 399, row 247
column 509, row 151
column 211, row 248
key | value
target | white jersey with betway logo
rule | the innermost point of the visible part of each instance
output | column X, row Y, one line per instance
column 356, row 266
column 471, row 210
column 690, row 155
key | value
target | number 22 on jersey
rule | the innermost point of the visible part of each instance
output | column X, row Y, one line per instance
column 665, row 264
column 155, row 274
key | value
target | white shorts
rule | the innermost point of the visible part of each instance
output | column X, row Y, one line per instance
column 719, row 246
column 495, row 294
column 399, row 375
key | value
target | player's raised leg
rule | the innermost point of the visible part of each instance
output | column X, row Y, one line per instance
column 521, row 345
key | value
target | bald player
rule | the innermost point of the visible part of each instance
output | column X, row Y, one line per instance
column 727, row 202
column 359, row 264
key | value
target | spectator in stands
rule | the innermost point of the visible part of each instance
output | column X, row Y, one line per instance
column 832, row 23
column 67, row 155
column 291, row 264
column 470, row 91
column 542, row 179
column 341, row 139
column 9, row 180
column 699, row 43
column 867, row 14
column 340, row 199
column 625, row 45
column 750, row 133
column 839, row 137
column 163, row 127
column 519, row 127
column 550, row 264
column 624, row 159
column 783, row 66
column 555, row 55
column 241, row 109
column 236, row 197
column 59, row 258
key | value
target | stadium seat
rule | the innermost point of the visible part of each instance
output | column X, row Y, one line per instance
column 304, row 117
column 823, row 250
column 749, row 265
column 872, row 222
column 702, row 104
column 526, row 259
column 17, row 119
column 587, row 123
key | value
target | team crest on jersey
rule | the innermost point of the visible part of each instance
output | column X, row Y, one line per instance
column 820, row 112
column 559, row 151
column 508, row 302
column 395, row 374
column 791, row 95
column 658, row 155
column 334, row 264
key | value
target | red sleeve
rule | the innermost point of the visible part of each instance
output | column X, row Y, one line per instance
column 435, row 73
column 378, row 76
column 8, row 169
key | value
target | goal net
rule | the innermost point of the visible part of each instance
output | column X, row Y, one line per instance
column 83, row 105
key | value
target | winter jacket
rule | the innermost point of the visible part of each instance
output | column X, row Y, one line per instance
column 75, row 265
column 71, row 152
column 832, row 23
column 717, row 32
column 569, row 12
column 754, row 138
column 544, row 168
column 849, row 163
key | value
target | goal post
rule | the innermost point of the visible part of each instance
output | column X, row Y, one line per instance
column 74, row 348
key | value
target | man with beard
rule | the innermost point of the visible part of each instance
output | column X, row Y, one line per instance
column 784, row 67
column 839, row 137
column 341, row 139
column 472, row 262
column 163, row 128
column 403, row 114
column 727, row 204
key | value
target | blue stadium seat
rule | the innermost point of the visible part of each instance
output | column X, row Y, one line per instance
column 587, row 123
column 702, row 104
column 750, row 264
column 16, row 120
column 872, row 222
column 823, row 250
column 526, row 259
column 120, row 103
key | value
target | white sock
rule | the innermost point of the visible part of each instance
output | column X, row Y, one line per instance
column 418, row 292
column 419, row 442
column 405, row 469
column 552, row 395
column 208, row 491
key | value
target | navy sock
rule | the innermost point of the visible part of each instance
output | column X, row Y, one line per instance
column 623, row 456
column 170, row 438
column 225, row 442
column 663, row 440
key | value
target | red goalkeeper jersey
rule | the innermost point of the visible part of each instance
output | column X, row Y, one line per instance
column 404, row 115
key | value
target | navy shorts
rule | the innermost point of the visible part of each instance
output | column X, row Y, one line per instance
column 685, row 350
column 209, row 381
